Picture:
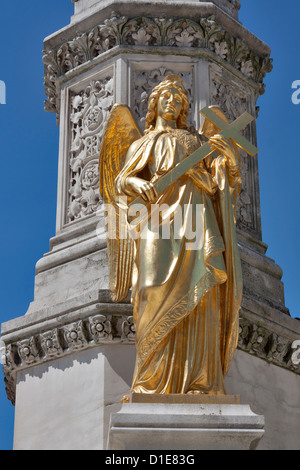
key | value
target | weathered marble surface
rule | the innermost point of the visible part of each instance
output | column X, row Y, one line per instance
column 72, row 399
column 271, row 391
column 85, row 8
column 161, row 426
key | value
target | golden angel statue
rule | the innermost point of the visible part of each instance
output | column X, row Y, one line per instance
column 186, row 297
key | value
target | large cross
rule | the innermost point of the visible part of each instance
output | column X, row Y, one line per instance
column 229, row 131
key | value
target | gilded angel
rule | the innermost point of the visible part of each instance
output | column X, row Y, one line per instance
column 185, row 296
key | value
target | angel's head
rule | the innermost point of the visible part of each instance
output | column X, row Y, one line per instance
column 170, row 100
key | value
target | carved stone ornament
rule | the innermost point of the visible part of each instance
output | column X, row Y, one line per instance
column 89, row 111
column 144, row 32
column 234, row 99
column 268, row 345
column 145, row 80
column 103, row 329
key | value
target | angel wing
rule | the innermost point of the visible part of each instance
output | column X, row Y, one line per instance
column 121, row 131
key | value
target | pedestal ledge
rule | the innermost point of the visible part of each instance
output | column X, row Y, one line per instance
column 185, row 399
column 163, row 426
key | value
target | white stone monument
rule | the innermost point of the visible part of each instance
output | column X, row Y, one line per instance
column 69, row 360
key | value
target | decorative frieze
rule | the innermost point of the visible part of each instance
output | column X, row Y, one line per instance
column 28, row 351
column 254, row 338
column 128, row 330
column 164, row 33
column 100, row 327
column 52, row 344
column 258, row 340
column 75, row 336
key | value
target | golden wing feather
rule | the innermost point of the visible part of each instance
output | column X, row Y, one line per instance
column 121, row 131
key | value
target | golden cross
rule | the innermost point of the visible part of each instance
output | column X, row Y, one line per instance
column 229, row 131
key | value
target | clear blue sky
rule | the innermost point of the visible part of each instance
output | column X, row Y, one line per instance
column 29, row 151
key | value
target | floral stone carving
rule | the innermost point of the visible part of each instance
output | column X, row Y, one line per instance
column 90, row 109
column 185, row 34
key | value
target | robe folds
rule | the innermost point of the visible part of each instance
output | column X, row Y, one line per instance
column 187, row 281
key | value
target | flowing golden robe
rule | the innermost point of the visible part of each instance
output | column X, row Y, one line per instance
column 185, row 300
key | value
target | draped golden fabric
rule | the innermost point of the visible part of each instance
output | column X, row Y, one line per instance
column 186, row 296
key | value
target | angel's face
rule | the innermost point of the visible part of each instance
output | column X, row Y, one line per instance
column 169, row 104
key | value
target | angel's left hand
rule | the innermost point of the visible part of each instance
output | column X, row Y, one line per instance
column 225, row 147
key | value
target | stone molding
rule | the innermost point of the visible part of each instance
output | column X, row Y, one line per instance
column 110, row 323
column 257, row 339
column 86, row 8
column 235, row 3
column 50, row 344
column 153, row 35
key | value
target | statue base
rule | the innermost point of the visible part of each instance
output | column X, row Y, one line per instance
column 185, row 426
column 188, row 399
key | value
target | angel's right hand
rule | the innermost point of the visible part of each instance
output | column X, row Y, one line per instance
column 143, row 188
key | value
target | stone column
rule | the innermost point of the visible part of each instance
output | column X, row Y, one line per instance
column 70, row 358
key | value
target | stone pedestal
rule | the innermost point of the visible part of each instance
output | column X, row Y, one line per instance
column 162, row 426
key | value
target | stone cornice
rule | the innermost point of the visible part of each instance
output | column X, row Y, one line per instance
column 194, row 11
column 153, row 35
column 30, row 342
column 54, row 342
column 86, row 8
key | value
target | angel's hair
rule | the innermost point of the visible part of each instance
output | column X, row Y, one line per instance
column 174, row 81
